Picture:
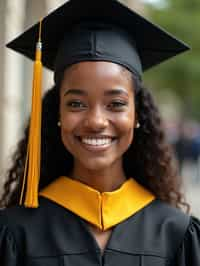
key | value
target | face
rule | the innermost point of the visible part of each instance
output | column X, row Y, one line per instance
column 97, row 113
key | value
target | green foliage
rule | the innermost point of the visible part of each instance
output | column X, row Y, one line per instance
column 182, row 73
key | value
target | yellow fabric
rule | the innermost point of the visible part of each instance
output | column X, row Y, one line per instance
column 103, row 210
column 32, row 165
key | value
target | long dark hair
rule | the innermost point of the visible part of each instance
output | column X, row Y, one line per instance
column 149, row 159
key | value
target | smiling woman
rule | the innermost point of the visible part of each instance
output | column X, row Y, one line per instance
column 109, row 193
column 97, row 121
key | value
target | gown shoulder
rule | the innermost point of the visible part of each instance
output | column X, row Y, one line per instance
column 189, row 251
column 8, row 247
column 19, row 225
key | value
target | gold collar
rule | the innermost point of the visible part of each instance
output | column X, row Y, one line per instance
column 102, row 209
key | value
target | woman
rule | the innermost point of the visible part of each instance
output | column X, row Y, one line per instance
column 109, row 193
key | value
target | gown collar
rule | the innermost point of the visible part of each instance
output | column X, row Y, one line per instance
column 102, row 209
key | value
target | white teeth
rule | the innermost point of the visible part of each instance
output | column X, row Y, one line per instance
column 96, row 142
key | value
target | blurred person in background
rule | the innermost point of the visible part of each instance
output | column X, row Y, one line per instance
column 187, row 147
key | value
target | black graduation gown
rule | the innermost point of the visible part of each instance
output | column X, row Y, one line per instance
column 157, row 235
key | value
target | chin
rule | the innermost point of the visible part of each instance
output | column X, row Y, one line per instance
column 97, row 164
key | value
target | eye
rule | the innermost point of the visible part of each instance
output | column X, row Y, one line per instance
column 76, row 104
column 118, row 105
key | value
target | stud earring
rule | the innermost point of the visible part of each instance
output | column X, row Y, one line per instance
column 137, row 125
column 59, row 124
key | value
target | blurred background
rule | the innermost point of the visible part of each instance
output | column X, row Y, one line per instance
column 175, row 84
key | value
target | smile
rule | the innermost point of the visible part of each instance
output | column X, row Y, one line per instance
column 96, row 144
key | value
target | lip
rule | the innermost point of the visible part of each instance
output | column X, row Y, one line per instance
column 94, row 148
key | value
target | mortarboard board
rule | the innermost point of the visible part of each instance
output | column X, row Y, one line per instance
column 153, row 44
column 103, row 30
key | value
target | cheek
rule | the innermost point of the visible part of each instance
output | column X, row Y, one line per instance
column 127, row 121
column 69, row 122
column 126, row 128
column 68, row 125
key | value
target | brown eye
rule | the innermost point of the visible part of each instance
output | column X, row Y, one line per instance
column 75, row 104
column 117, row 105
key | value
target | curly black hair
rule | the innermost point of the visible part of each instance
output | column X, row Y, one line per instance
column 149, row 159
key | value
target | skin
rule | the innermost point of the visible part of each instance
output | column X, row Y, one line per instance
column 91, row 111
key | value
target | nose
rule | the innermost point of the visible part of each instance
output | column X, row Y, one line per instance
column 96, row 119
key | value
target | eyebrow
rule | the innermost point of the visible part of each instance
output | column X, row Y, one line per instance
column 75, row 91
column 108, row 92
column 116, row 92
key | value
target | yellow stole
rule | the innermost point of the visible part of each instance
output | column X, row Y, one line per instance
column 102, row 209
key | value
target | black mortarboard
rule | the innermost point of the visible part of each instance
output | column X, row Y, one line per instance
column 99, row 30
column 85, row 30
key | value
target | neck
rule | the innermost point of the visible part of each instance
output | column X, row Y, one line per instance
column 101, row 180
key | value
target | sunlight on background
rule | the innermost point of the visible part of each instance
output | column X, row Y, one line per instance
column 158, row 3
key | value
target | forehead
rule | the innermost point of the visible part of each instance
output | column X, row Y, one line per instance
column 100, row 72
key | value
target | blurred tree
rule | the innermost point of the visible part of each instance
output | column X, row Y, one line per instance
column 182, row 74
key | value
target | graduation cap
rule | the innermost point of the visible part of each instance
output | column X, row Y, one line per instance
column 88, row 30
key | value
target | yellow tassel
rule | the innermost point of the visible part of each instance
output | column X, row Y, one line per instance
column 33, row 157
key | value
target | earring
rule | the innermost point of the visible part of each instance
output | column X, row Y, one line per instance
column 59, row 124
column 137, row 125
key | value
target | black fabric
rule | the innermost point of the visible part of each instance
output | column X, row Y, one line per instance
column 153, row 44
column 189, row 252
column 157, row 235
column 97, row 41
